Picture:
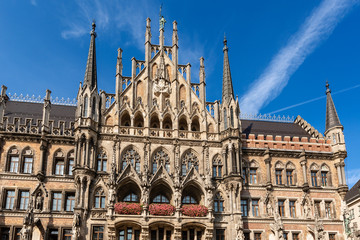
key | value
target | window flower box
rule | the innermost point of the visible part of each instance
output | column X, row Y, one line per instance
column 193, row 210
column 161, row 209
column 128, row 208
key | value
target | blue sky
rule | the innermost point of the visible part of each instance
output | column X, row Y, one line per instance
column 280, row 51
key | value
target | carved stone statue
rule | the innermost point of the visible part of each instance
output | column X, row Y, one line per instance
column 76, row 226
column 111, row 199
column 177, row 198
column 27, row 225
column 277, row 227
column 269, row 209
column 210, row 198
column 145, row 196
column 239, row 231
column 39, row 202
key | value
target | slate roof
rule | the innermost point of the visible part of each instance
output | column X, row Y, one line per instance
column 353, row 193
column 273, row 128
column 25, row 110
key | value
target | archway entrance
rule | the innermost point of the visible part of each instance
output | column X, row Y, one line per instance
column 161, row 231
column 128, row 231
column 192, row 232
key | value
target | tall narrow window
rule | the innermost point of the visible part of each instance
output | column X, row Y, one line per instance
column 328, row 209
column 278, row 176
column 255, row 207
column 281, row 207
column 244, row 175
column 98, row 233
column 10, row 199
column 24, row 200
column 218, row 203
column 244, row 207
column 101, row 161
column 292, row 209
column 67, row 234
column 314, row 178
column 53, row 234
column 100, row 199
column 317, row 208
column 59, row 167
column 296, row 236
column 257, row 236
column 220, row 234
column 324, row 181
column 56, row 201
column 14, row 164
column 217, row 167
column 289, row 177
column 28, row 164
column 253, row 179
column 86, row 106
column 70, row 202
column 70, row 166
column 225, row 120
column 232, row 117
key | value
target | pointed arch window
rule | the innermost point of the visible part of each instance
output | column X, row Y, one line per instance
column 189, row 200
column 290, row 174
column 189, row 160
column 102, row 161
column 59, row 161
column 99, row 199
column 13, row 156
column 28, row 159
column 225, row 120
column 232, row 117
column 217, row 167
column 93, row 107
column 218, row 203
column 325, row 176
column 131, row 157
column 86, row 106
column 160, row 157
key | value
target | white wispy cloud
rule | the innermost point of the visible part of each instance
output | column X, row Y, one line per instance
column 33, row 2
column 317, row 27
column 352, row 177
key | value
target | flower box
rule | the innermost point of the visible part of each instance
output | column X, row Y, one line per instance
column 128, row 208
column 193, row 210
column 161, row 209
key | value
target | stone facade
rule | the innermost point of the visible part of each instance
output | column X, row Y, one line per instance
column 352, row 213
column 155, row 160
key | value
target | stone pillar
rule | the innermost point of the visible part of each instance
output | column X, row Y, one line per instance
column 87, row 191
column 267, row 159
column 223, row 153
column 86, row 155
column 338, row 168
column 230, row 158
column 342, row 165
column 303, row 162
column 43, row 152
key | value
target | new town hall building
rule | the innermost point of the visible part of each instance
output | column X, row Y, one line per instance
column 155, row 160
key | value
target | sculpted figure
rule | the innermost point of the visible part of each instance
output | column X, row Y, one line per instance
column 39, row 201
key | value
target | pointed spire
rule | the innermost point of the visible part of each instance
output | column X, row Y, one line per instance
column 332, row 119
column 227, row 91
column 90, row 72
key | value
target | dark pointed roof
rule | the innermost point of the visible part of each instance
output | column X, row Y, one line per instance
column 227, row 90
column 90, row 72
column 332, row 119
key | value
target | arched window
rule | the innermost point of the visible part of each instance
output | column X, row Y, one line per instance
column 279, row 168
column 154, row 122
column 225, row 120
column 131, row 157
column 99, row 199
column 183, row 123
column 189, row 160
column 325, row 176
column 86, row 105
column 218, row 203
column 189, row 200
column 232, row 117
column 195, row 125
column 160, row 157
column 138, row 120
column 314, row 170
column 131, row 197
column 125, row 119
column 160, row 199
column 70, row 164
column 102, row 161
column 59, row 162
column 217, row 167
column 13, row 156
column 93, row 107
column 253, row 170
column 167, row 123
column 28, row 159
column 290, row 174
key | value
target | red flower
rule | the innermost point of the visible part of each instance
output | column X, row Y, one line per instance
column 128, row 208
column 194, row 210
column 161, row 209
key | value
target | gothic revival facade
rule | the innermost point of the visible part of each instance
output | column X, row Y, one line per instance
column 156, row 161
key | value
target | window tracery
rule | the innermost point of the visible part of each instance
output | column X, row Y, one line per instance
column 131, row 157
column 160, row 157
column 102, row 161
column 189, row 160
column 217, row 167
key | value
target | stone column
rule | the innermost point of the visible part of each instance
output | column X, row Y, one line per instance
column 43, row 152
column 342, row 165
column 225, row 161
column 267, row 159
column 86, row 157
column 339, row 173
column 230, row 158
column 86, row 198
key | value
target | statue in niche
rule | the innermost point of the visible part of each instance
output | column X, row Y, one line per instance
column 239, row 231
column 177, row 198
column 76, row 226
column 145, row 196
column 39, row 201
